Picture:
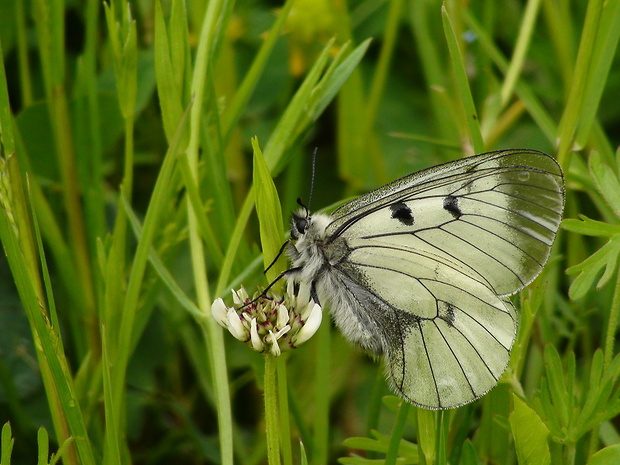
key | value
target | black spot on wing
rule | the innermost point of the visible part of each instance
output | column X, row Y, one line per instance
column 451, row 204
column 402, row 213
column 446, row 312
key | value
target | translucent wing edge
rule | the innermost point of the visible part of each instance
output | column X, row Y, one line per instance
column 384, row 195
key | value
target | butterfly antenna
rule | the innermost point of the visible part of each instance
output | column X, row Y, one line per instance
column 314, row 153
column 302, row 205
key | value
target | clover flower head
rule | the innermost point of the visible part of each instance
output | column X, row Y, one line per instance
column 268, row 322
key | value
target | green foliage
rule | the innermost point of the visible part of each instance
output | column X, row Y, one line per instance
column 7, row 444
column 607, row 456
column 572, row 409
column 407, row 451
column 130, row 170
column 605, row 259
column 530, row 434
column 43, row 456
column 267, row 209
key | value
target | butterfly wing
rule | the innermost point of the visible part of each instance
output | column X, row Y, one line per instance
column 430, row 256
column 445, row 334
column 496, row 214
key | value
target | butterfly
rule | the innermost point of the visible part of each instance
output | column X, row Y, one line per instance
column 419, row 271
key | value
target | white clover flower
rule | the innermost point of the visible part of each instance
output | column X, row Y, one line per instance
column 219, row 312
column 270, row 323
column 257, row 343
column 313, row 321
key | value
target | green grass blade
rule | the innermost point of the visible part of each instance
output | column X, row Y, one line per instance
column 521, row 47
column 462, row 84
column 335, row 77
column 605, row 47
column 204, row 225
column 159, row 266
column 289, row 124
column 427, row 434
column 578, row 89
column 243, row 94
column 543, row 120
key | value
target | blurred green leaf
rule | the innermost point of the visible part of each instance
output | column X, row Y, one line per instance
column 530, row 435
column 233, row 111
column 607, row 456
column 168, row 84
column 302, row 454
column 61, row 450
column 468, row 455
column 554, row 397
column 428, row 433
column 6, row 445
column 123, row 40
column 470, row 115
column 601, row 40
column 341, row 68
column 407, row 452
column 314, row 94
column 601, row 398
column 606, row 181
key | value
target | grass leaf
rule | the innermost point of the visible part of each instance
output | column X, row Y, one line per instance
column 458, row 67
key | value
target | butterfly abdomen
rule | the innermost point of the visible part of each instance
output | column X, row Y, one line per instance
column 361, row 321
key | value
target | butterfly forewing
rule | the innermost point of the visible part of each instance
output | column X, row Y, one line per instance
column 496, row 214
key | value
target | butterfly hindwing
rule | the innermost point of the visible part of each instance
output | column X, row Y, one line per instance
column 447, row 336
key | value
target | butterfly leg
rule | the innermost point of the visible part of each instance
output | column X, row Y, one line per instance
column 313, row 293
column 280, row 252
column 272, row 283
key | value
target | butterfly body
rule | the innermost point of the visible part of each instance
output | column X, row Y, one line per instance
column 417, row 271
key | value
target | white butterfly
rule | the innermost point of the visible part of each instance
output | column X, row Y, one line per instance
column 419, row 270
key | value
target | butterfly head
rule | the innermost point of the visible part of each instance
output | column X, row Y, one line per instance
column 308, row 229
column 300, row 223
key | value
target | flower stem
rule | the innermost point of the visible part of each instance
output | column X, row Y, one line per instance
column 271, row 411
column 285, row 443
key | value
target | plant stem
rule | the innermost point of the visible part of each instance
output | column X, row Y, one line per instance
column 271, row 411
column 213, row 334
column 612, row 325
column 285, row 442
column 397, row 433
column 322, row 389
